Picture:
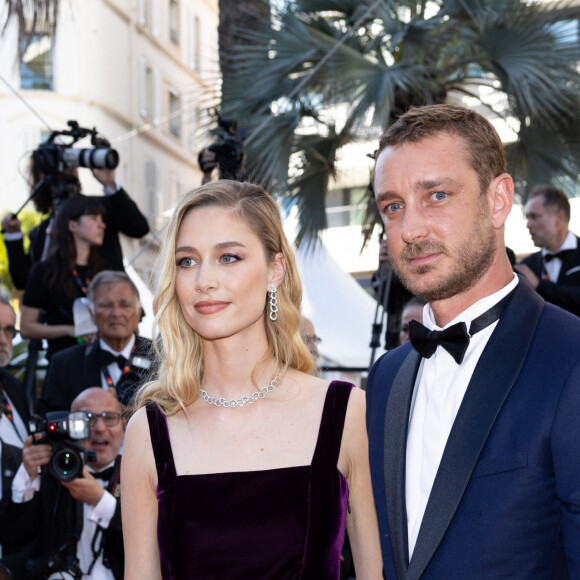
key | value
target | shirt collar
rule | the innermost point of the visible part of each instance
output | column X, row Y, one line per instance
column 570, row 243
column 473, row 311
column 126, row 352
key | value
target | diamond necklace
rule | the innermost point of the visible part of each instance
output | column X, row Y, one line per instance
column 240, row 401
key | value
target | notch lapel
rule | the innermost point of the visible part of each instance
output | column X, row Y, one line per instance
column 493, row 378
column 395, row 449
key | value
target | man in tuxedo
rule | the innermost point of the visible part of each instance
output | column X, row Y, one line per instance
column 553, row 272
column 14, row 407
column 474, row 437
column 119, row 360
column 71, row 525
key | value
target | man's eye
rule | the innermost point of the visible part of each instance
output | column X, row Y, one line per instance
column 438, row 195
column 392, row 207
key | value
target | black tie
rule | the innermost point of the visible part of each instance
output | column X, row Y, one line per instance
column 108, row 358
column 104, row 474
column 455, row 338
column 560, row 254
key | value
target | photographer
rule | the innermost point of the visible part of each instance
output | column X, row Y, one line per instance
column 53, row 185
column 76, row 524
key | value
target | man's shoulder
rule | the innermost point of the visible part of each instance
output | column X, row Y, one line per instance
column 7, row 378
column 386, row 367
column 76, row 352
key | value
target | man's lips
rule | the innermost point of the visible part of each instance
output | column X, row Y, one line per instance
column 210, row 306
column 423, row 259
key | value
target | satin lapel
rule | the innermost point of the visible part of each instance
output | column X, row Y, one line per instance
column 494, row 376
column 92, row 365
column 395, row 447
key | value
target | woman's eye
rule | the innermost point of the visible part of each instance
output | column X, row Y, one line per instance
column 185, row 262
column 229, row 258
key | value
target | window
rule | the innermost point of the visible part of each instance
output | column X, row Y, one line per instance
column 145, row 89
column 174, row 114
column 194, row 116
column 194, row 41
column 36, row 70
column 145, row 13
column 345, row 207
column 152, row 205
column 174, row 21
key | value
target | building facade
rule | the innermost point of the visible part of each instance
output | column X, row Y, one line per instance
column 142, row 72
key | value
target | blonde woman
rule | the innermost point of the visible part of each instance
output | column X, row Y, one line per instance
column 239, row 464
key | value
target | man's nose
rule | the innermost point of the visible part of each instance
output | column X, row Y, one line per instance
column 415, row 224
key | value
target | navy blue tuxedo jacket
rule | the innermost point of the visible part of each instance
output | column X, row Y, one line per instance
column 505, row 501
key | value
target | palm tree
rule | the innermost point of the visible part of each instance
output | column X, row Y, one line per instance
column 373, row 59
column 33, row 16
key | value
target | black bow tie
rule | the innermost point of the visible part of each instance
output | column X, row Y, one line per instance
column 560, row 254
column 104, row 474
column 108, row 358
column 455, row 338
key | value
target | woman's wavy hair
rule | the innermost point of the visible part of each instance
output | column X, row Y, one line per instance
column 181, row 369
column 62, row 252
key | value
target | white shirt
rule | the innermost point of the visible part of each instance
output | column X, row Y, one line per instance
column 113, row 368
column 554, row 266
column 439, row 390
column 23, row 489
column 13, row 433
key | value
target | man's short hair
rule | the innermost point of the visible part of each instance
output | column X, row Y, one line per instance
column 485, row 151
column 110, row 278
column 554, row 198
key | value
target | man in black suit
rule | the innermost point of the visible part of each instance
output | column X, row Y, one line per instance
column 14, row 407
column 474, row 438
column 71, row 525
column 553, row 272
column 121, row 216
column 119, row 360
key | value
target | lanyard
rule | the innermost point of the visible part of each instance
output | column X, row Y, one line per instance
column 82, row 285
column 126, row 368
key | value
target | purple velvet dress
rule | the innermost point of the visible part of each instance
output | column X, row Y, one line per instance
column 278, row 524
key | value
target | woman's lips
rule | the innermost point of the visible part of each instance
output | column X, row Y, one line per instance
column 210, row 307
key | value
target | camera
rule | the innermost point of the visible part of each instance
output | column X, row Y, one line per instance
column 61, row 431
column 62, row 564
column 229, row 150
column 56, row 160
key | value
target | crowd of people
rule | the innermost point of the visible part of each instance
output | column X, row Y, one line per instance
column 215, row 449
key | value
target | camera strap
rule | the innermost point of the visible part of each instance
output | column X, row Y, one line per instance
column 114, row 488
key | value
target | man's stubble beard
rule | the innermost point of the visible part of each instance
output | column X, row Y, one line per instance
column 473, row 259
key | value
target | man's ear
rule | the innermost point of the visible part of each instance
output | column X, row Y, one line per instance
column 502, row 192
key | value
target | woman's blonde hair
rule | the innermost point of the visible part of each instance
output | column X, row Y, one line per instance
column 181, row 369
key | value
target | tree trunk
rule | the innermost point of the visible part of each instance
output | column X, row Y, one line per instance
column 236, row 15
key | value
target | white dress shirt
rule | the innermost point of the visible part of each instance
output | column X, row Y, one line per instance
column 13, row 433
column 554, row 266
column 113, row 368
column 439, row 390
column 23, row 489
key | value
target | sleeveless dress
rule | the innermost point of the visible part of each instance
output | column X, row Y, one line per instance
column 275, row 524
